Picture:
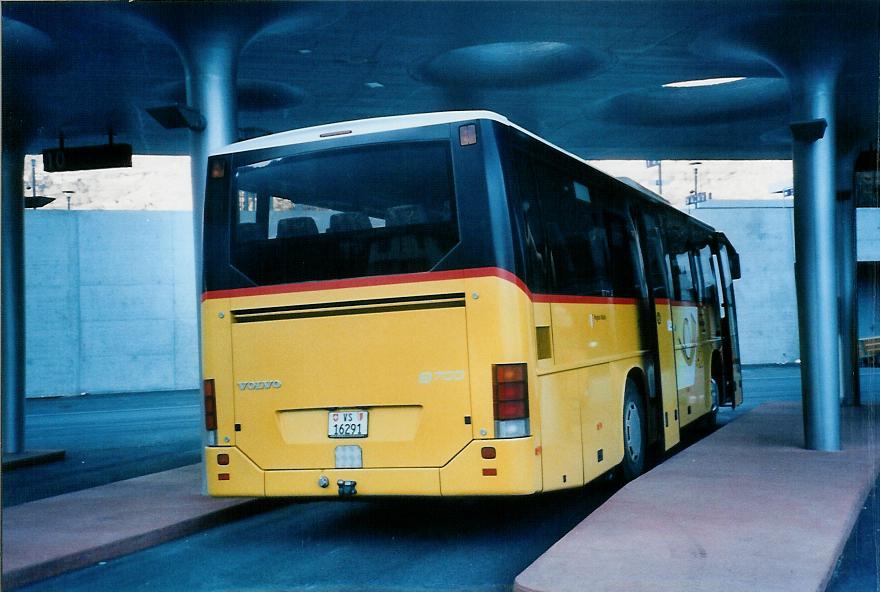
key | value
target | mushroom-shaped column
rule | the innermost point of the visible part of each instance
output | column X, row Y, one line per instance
column 25, row 50
column 816, row 272
column 210, row 58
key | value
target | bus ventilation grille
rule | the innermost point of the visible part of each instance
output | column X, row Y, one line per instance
column 351, row 307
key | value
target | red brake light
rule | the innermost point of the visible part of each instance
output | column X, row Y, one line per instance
column 210, row 405
column 511, row 410
column 511, row 391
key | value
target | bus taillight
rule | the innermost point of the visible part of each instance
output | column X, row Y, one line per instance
column 510, row 389
column 210, row 405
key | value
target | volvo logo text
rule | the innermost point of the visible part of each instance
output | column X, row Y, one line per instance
column 259, row 385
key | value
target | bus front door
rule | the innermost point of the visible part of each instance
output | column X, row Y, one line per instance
column 731, row 394
column 651, row 243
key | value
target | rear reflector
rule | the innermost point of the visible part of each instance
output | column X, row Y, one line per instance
column 490, row 472
column 210, row 405
column 223, row 476
column 223, row 459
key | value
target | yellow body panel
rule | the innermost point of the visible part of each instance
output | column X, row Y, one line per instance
column 216, row 361
column 378, row 362
column 424, row 373
column 369, row 482
column 245, row 478
column 517, row 465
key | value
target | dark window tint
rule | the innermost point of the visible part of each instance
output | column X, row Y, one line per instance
column 624, row 277
column 654, row 260
column 575, row 234
column 529, row 222
column 683, row 284
column 369, row 210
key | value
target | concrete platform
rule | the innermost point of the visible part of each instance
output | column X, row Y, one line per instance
column 47, row 537
column 744, row 509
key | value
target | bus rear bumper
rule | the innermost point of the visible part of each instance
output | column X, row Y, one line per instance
column 515, row 470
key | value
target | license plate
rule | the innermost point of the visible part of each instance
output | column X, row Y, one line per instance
column 348, row 423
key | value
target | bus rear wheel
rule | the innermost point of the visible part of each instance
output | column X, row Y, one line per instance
column 634, row 433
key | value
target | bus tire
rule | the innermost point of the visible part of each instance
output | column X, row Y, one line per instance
column 634, row 433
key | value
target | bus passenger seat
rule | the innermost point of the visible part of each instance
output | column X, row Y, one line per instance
column 300, row 226
column 347, row 221
column 405, row 215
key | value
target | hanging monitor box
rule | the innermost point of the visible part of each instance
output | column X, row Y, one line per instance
column 105, row 156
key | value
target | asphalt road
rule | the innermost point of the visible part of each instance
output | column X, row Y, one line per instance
column 402, row 544
column 106, row 438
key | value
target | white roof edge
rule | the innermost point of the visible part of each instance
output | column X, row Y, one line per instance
column 356, row 128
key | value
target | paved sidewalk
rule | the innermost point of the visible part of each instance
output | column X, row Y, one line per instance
column 745, row 509
column 47, row 537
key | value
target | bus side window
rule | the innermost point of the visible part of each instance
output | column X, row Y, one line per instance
column 624, row 279
column 653, row 248
column 575, row 234
column 683, row 278
column 527, row 215
column 710, row 288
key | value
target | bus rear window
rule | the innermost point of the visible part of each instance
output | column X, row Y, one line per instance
column 369, row 210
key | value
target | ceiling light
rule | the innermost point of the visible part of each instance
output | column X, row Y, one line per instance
column 703, row 82
column 374, row 85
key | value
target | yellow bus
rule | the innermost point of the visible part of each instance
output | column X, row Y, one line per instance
column 444, row 305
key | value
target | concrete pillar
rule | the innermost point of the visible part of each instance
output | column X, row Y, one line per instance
column 211, row 62
column 13, row 321
column 813, row 131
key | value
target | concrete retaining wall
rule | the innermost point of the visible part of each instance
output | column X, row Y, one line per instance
column 111, row 302
column 762, row 231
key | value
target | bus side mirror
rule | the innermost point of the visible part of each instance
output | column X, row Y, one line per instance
column 735, row 272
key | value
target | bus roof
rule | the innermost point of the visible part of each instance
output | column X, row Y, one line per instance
column 357, row 128
column 361, row 127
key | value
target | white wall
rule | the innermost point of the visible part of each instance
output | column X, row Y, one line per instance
column 110, row 301
column 762, row 233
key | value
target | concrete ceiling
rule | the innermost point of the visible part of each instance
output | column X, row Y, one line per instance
column 586, row 75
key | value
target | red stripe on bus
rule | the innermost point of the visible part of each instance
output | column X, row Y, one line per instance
column 376, row 280
column 428, row 276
